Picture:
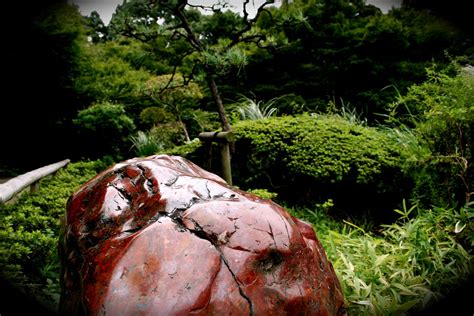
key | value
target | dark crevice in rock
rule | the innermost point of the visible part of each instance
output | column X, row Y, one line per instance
column 142, row 169
column 241, row 291
column 175, row 215
column 131, row 230
column 271, row 234
column 208, row 190
column 172, row 181
column 200, row 233
column 123, row 192
column 240, row 248
column 179, row 222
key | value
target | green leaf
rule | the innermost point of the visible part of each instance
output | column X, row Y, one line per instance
column 459, row 227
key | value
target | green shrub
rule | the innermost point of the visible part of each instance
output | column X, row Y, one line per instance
column 168, row 134
column 155, row 115
column 189, row 150
column 316, row 158
column 29, row 231
column 442, row 112
column 263, row 193
column 105, row 129
column 406, row 267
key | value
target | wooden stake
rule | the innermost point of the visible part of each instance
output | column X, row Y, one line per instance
column 224, row 139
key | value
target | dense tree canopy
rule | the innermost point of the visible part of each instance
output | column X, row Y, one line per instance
column 321, row 55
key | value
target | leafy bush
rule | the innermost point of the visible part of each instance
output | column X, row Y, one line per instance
column 29, row 232
column 442, row 112
column 189, row 150
column 263, row 193
column 103, row 73
column 105, row 129
column 316, row 158
column 406, row 267
column 153, row 115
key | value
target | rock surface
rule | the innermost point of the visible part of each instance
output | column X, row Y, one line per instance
column 161, row 236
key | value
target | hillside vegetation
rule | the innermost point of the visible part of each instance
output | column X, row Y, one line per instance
column 359, row 122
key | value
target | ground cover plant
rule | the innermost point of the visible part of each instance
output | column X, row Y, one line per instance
column 405, row 266
column 29, row 231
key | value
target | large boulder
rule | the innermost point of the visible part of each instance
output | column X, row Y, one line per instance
column 161, row 236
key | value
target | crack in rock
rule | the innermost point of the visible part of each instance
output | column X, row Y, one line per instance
column 199, row 232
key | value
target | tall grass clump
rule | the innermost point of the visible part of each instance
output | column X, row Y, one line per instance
column 145, row 144
column 346, row 112
column 250, row 109
column 406, row 266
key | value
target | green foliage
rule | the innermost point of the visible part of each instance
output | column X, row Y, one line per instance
column 222, row 60
column 177, row 95
column 105, row 129
column 412, row 149
column 104, row 116
column 263, row 193
column 104, row 73
column 29, row 231
column 405, row 267
column 218, row 26
column 345, row 49
column 169, row 135
column 173, row 90
column 154, row 115
column 188, row 150
column 145, row 144
column 346, row 112
column 97, row 29
column 316, row 158
column 159, row 138
column 442, row 113
column 250, row 109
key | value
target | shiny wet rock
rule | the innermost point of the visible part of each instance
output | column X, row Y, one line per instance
column 161, row 236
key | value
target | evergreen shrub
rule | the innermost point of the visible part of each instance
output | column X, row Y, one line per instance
column 442, row 112
column 29, row 231
column 311, row 159
column 104, row 129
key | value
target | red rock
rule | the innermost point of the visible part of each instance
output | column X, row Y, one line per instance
column 161, row 236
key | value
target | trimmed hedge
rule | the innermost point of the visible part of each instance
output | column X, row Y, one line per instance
column 29, row 231
column 310, row 159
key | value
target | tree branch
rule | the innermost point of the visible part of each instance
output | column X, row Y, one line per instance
column 173, row 74
column 210, row 8
column 249, row 22
column 178, row 11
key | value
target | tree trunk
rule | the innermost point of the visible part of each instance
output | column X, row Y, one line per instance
column 183, row 127
column 218, row 101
